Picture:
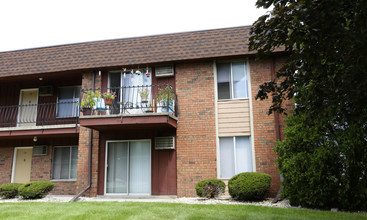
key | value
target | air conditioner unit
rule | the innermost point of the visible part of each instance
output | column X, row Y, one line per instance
column 164, row 71
column 165, row 143
column 46, row 90
column 40, row 150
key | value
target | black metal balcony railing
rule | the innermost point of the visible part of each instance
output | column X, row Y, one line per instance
column 129, row 100
column 39, row 114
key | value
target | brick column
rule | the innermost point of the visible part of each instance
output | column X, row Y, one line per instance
column 83, row 147
column 196, row 134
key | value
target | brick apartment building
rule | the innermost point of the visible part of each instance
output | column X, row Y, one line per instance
column 198, row 118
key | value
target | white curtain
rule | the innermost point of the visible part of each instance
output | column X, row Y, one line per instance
column 243, row 155
column 117, row 165
column 140, row 167
column 240, row 89
column 235, row 156
column 65, row 162
column 128, row 167
column 227, row 168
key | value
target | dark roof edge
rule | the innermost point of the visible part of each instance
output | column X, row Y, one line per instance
column 96, row 41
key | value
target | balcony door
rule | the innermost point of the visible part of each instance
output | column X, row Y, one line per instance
column 128, row 167
column 27, row 112
column 127, row 85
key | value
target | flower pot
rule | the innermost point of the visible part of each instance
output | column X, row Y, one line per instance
column 144, row 99
column 87, row 111
column 108, row 101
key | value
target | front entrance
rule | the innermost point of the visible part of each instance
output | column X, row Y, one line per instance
column 28, row 107
column 128, row 167
column 22, row 164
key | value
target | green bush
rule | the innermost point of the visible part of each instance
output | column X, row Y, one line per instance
column 324, row 165
column 249, row 186
column 210, row 188
column 36, row 189
column 9, row 190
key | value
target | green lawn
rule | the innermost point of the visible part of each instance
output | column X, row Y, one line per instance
column 137, row 210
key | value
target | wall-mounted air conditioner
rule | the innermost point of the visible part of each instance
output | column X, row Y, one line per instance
column 46, row 91
column 165, row 143
column 40, row 150
column 164, row 71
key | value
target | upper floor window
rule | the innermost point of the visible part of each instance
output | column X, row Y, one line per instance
column 232, row 80
column 67, row 101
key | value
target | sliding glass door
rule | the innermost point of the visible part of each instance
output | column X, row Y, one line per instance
column 128, row 167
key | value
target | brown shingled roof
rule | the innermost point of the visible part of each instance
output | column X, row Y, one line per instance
column 129, row 51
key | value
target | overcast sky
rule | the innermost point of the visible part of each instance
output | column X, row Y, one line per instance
column 38, row 23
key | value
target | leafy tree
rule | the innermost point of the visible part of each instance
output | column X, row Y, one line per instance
column 324, row 155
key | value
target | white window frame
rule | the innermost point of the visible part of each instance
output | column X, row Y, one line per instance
column 231, row 91
column 53, row 156
column 74, row 114
column 235, row 156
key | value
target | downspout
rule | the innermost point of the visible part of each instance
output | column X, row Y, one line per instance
column 276, row 114
column 277, row 127
column 90, row 144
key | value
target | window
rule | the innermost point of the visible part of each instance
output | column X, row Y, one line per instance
column 235, row 156
column 68, row 97
column 232, row 80
column 65, row 162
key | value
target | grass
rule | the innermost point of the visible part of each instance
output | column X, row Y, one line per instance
column 138, row 210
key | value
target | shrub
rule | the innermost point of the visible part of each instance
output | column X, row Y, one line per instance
column 249, row 186
column 36, row 189
column 210, row 188
column 323, row 164
column 9, row 190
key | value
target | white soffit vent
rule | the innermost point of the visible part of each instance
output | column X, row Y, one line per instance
column 40, row 150
column 46, row 90
column 164, row 71
column 165, row 143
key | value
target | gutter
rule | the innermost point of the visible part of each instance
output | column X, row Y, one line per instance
column 90, row 144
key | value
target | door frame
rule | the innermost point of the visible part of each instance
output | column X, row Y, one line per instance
column 128, row 173
column 20, row 102
column 14, row 160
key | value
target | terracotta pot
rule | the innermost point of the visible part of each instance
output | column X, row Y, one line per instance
column 108, row 101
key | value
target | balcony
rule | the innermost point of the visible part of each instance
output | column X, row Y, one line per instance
column 37, row 119
column 129, row 107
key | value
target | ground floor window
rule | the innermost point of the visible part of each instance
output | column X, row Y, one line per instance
column 65, row 162
column 235, row 156
column 128, row 167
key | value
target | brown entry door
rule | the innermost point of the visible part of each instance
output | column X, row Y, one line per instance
column 22, row 165
column 28, row 108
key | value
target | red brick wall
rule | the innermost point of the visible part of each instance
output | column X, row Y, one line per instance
column 83, row 146
column 196, row 133
column 6, row 163
column 264, row 124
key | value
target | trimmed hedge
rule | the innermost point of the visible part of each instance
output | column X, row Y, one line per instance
column 210, row 188
column 9, row 190
column 36, row 189
column 249, row 186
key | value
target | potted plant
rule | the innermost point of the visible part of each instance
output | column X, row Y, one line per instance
column 89, row 101
column 109, row 97
column 166, row 100
column 144, row 94
column 149, row 109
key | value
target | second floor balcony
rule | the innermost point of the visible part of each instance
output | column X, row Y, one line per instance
column 128, row 106
column 34, row 119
